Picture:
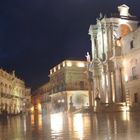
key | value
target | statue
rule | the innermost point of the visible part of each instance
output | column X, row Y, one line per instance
column 97, row 95
column 72, row 108
column 88, row 57
column 100, row 16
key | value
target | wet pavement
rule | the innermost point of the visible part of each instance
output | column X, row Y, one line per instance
column 63, row 126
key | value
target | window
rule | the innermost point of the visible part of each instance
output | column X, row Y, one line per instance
column 135, row 97
column 131, row 44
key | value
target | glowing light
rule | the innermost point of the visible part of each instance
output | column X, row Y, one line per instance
column 59, row 67
column 69, row 64
column 78, row 125
column 125, row 78
column 118, row 43
column 39, row 107
column 57, row 122
column 113, row 97
column 106, row 98
column 125, row 116
column 113, row 87
column 50, row 71
column 63, row 64
column 125, row 108
column 54, row 69
column 95, row 103
column 80, row 64
column 32, row 109
column 62, row 100
column 103, row 81
column 40, row 121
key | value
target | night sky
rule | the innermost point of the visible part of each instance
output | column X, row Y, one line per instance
column 36, row 35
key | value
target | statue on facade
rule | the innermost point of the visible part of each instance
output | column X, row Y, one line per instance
column 100, row 16
column 97, row 95
column 72, row 108
column 88, row 57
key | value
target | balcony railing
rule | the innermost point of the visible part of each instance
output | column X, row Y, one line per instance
column 9, row 96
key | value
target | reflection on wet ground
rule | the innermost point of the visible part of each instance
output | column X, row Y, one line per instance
column 63, row 126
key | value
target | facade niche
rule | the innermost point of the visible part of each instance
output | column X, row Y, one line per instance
column 131, row 44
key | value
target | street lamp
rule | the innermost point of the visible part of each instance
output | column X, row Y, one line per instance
column 61, row 104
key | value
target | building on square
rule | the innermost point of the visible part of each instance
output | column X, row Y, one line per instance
column 41, row 98
column 14, row 96
column 115, row 63
column 67, row 89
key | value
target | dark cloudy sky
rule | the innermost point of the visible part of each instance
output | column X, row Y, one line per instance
column 35, row 35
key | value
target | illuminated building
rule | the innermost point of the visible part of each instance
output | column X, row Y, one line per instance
column 67, row 88
column 14, row 96
column 131, row 64
column 41, row 98
column 115, row 57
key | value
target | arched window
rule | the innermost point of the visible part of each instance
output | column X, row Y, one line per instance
column 131, row 44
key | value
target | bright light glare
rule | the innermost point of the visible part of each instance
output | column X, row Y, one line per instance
column 57, row 122
column 39, row 107
column 125, row 116
column 78, row 125
column 118, row 43
column 125, row 108
column 69, row 64
column 125, row 66
column 54, row 69
column 40, row 121
column 80, row 64
column 59, row 67
column 32, row 109
column 126, row 78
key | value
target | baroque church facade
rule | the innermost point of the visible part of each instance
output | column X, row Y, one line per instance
column 115, row 60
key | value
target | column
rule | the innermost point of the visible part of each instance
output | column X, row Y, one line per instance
column 118, row 83
column 113, row 86
column 92, row 33
column 109, row 87
column 109, row 39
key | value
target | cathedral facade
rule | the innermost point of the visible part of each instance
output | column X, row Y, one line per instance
column 115, row 58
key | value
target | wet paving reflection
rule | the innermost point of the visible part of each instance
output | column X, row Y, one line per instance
column 63, row 126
